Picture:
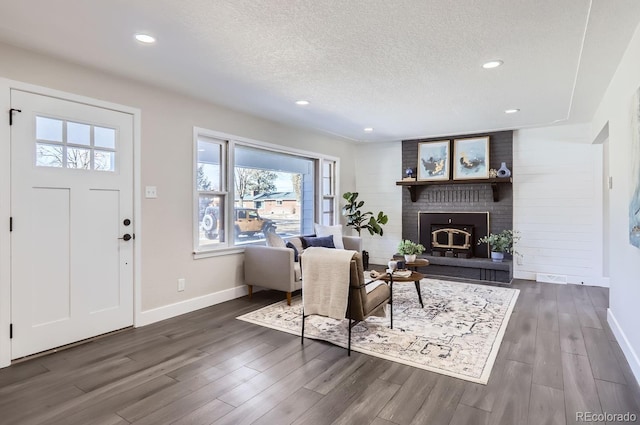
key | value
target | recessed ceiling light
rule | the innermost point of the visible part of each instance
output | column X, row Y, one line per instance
column 368, row 130
column 302, row 102
column 492, row 64
column 145, row 38
column 511, row 111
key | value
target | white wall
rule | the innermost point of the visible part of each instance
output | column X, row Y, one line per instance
column 378, row 166
column 167, row 127
column 624, row 259
column 557, row 204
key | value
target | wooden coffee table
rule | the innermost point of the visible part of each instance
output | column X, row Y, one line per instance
column 415, row 277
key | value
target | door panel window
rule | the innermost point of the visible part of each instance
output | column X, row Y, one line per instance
column 105, row 137
column 79, row 134
column 68, row 144
column 48, row 155
column 49, row 129
column 78, row 158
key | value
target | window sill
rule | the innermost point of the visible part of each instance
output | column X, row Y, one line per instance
column 197, row 255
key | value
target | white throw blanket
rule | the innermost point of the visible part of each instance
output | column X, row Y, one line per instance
column 325, row 281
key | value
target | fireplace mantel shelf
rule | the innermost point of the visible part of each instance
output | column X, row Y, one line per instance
column 414, row 185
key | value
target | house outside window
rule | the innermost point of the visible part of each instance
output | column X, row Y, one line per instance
column 282, row 184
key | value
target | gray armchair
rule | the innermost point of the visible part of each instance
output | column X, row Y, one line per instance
column 274, row 267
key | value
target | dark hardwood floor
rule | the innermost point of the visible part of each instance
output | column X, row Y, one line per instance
column 558, row 357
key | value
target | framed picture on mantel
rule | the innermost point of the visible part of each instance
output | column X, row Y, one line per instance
column 471, row 158
column 433, row 160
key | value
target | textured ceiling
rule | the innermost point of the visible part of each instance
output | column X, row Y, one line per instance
column 407, row 68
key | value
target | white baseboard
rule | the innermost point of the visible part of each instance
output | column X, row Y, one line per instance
column 627, row 349
column 576, row 280
column 172, row 310
column 517, row 274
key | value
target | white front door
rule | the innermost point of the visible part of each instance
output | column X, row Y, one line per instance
column 71, row 209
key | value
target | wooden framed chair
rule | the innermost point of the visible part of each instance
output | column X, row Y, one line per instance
column 360, row 304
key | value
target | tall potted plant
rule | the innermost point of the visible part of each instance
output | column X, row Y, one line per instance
column 362, row 220
column 500, row 243
column 359, row 220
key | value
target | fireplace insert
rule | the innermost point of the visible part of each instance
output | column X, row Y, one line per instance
column 454, row 234
column 451, row 240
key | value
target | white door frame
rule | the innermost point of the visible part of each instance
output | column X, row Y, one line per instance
column 5, row 200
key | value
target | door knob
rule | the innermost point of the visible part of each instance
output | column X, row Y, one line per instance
column 126, row 237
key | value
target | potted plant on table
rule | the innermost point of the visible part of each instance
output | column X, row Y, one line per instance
column 410, row 249
column 500, row 243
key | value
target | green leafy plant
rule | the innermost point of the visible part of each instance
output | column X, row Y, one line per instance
column 501, row 242
column 362, row 220
column 407, row 247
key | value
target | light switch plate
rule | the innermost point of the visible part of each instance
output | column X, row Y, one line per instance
column 150, row 192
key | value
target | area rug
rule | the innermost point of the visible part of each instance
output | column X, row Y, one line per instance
column 457, row 333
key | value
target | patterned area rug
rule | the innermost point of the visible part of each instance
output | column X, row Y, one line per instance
column 457, row 333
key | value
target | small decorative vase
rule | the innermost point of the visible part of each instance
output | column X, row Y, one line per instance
column 410, row 258
column 503, row 171
column 497, row 257
column 392, row 265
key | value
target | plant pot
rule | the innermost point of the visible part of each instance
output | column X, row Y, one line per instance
column 410, row 258
column 497, row 257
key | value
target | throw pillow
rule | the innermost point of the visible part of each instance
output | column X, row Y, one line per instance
column 273, row 240
column 335, row 231
column 325, row 242
column 297, row 242
column 295, row 251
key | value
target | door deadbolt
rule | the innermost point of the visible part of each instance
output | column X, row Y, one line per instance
column 126, row 222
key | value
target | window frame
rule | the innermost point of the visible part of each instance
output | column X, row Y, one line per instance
column 199, row 134
column 227, row 165
column 65, row 145
column 333, row 166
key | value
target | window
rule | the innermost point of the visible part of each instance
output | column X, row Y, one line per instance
column 68, row 144
column 265, row 179
column 328, row 192
column 245, row 188
column 211, row 193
